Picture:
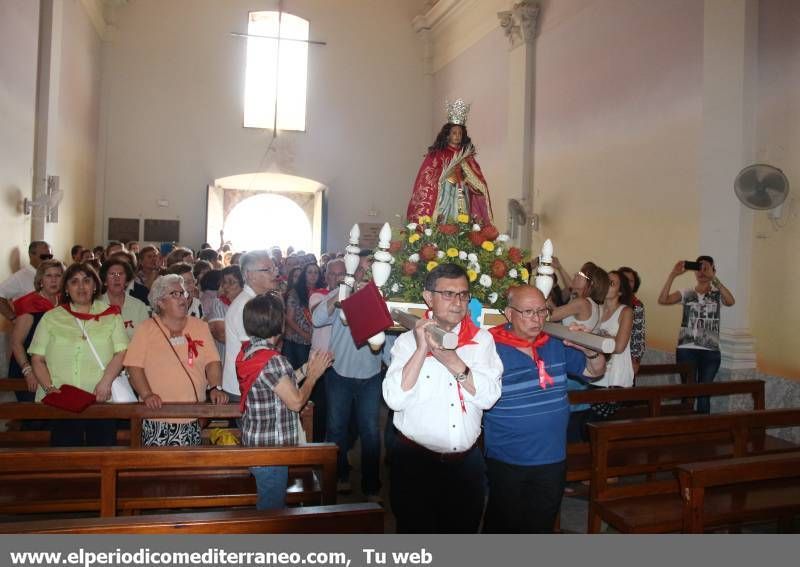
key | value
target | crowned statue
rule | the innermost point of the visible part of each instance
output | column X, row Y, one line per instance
column 450, row 182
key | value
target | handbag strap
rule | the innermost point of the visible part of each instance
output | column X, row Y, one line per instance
column 91, row 344
column 175, row 352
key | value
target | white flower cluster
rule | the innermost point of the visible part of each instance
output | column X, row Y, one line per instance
column 414, row 258
column 512, row 273
column 411, row 226
column 485, row 280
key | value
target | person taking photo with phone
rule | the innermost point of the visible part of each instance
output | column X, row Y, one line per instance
column 698, row 339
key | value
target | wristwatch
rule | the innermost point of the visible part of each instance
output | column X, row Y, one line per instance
column 462, row 377
column 218, row 388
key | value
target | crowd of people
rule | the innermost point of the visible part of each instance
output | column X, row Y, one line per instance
column 263, row 329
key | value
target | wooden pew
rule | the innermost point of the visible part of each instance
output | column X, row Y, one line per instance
column 652, row 399
column 654, row 448
column 109, row 479
column 735, row 491
column 365, row 518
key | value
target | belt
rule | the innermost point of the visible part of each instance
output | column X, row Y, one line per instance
column 441, row 457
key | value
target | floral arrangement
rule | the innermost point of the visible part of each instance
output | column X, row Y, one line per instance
column 491, row 265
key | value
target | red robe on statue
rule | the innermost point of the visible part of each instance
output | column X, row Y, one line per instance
column 463, row 171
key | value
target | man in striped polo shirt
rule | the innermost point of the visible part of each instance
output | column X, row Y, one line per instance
column 525, row 433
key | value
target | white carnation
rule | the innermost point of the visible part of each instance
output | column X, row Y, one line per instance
column 440, row 254
column 395, row 288
column 498, row 251
column 413, row 258
column 492, row 297
column 485, row 280
column 411, row 226
column 512, row 273
column 428, row 232
column 462, row 255
column 476, row 227
column 472, row 258
column 503, row 238
column 475, row 267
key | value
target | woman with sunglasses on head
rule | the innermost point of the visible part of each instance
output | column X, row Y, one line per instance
column 616, row 319
column 172, row 358
column 589, row 287
column 29, row 310
column 116, row 274
column 82, row 343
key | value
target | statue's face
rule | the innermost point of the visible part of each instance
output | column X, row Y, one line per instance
column 455, row 136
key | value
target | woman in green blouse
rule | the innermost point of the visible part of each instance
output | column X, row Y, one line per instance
column 82, row 343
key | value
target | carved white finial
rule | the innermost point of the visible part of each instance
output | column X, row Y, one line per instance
column 545, row 271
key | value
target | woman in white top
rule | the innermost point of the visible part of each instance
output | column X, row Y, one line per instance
column 589, row 287
column 617, row 320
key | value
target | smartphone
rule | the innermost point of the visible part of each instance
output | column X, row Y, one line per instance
column 689, row 265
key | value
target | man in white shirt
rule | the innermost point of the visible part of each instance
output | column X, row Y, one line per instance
column 21, row 281
column 260, row 276
column 438, row 473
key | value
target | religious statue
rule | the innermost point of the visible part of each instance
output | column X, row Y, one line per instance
column 450, row 182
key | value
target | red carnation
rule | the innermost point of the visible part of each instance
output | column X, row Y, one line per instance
column 395, row 246
column 448, row 229
column 499, row 268
column 490, row 232
column 515, row 255
column 428, row 252
column 477, row 238
column 410, row 268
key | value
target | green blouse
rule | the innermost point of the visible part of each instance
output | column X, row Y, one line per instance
column 59, row 338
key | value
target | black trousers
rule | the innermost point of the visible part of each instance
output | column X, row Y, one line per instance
column 429, row 495
column 523, row 499
column 83, row 433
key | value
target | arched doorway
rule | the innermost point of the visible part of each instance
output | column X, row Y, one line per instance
column 265, row 220
column 258, row 210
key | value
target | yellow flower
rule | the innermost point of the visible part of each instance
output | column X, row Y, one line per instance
column 462, row 218
column 413, row 238
column 523, row 274
column 488, row 246
column 472, row 275
column 452, row 252
column 424, row 219
column 431, row 265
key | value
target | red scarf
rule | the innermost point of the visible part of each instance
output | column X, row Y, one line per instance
column 112, row 310
column 192, row 346
column 466, row 333
column 505, row 337
column 34, row 302
column 249, row 369
column 224, row 299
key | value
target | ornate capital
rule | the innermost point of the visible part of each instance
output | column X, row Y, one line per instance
column 519, row 23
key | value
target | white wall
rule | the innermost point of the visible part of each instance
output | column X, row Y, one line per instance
column 173, row 110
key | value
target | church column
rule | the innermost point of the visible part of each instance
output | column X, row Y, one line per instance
column 730, row 44
column 519, row 25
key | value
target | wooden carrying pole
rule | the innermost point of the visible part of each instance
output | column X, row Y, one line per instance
column 444, row 338
column 598, row 343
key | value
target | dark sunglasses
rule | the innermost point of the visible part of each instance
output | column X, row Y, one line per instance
column 45, row 256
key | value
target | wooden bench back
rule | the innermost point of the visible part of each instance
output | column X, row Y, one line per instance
column 363, row 518
column 696, row 478
column 110, row 461
column 647, row 446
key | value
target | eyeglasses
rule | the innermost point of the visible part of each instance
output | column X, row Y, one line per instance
column 451, row 295
column 584, row 276
column 45, row 256
column 542, row 313
column 178, row 294
column 273, row 270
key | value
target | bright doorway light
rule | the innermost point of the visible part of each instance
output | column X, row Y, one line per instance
column 266, row 220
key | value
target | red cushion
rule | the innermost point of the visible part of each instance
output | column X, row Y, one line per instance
column 70, row 398
column 366, row 313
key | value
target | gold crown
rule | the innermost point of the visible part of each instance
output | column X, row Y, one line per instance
column 457, row 112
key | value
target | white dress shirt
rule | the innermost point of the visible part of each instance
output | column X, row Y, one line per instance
column 430, row 413
column 18, row 284
column 235, row 335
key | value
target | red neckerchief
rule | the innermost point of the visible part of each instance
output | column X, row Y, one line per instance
column 112, row 310
column 224, row 299
column 192, row 346
column 505, row 337
column 33, row 302
column 248, row 369
column 466, row 333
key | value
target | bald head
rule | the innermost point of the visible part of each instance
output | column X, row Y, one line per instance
column 523, row 292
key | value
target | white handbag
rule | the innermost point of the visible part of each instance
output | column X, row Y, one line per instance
column 121, row 391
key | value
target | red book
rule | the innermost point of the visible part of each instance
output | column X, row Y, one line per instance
column 366, row 314
column 70, row 398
